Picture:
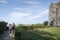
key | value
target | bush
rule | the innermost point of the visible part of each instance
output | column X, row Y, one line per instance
column 24, row 33
column 52, row 23
column 39, row 26
column 45, row 22
column 2, row 26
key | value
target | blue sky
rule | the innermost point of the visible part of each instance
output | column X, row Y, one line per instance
column 24, row 11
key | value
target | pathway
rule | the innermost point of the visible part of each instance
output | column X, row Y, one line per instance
column 6, row 36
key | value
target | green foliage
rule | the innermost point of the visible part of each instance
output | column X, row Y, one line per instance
column 52, row 23
column 45, row 23
column 2, row 26
column 53, row 30
column 24, row 33
column 33, row 26
column 38, row 26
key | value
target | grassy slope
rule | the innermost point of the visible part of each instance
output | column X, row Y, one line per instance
column 53, row 30
column 51, row 33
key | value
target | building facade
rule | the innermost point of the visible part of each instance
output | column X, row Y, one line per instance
column 54, row 13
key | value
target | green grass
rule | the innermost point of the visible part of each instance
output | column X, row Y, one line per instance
column 50, row 33
column 53, row 30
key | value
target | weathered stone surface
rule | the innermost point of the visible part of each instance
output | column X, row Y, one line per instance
column 54, row 13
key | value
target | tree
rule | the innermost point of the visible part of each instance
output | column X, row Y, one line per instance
column 45, row 22
column 52, row 23
column 3, row 25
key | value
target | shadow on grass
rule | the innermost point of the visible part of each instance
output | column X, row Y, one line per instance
column 35, row 35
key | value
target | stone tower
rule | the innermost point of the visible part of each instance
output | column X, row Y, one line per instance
column 54, row 13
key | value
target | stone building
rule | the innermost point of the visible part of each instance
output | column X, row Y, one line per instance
column 54, row 13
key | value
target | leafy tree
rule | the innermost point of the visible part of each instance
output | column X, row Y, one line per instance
column 45, row 22
column 3, row 25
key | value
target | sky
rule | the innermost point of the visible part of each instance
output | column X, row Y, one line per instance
column 25, row 11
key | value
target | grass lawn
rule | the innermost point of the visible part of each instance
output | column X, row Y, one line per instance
column 53, row 30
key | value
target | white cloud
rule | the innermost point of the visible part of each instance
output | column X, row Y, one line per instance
column 3, row 1
column 33, row 14
column 45, row 12
column 32, row 3
column 18, row 14
column 38, row 15
column 16, row 17
column 21, row 17
column 29, row 11
column 33, row 17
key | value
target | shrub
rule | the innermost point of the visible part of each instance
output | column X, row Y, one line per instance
column 2, row 26
column 24, row 33
column 52, row 23
column 39, row 26
column 45, row 22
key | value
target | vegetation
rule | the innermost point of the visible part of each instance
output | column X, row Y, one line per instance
column 52, row 23
column 34, row 32
column 45, row 23
column 2, row 26
column 53, row 30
